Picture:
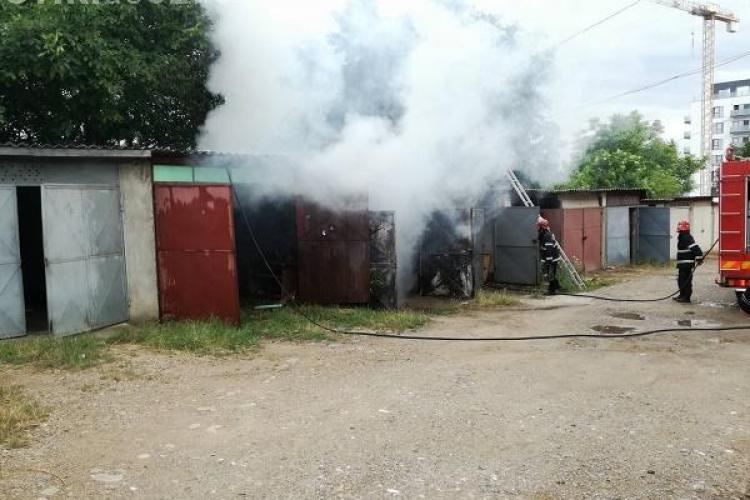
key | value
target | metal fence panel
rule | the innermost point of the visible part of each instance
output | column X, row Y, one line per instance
column 12, row 310
column 516, row 246
column 84, row 251
column 652, row 243
column 617, row 239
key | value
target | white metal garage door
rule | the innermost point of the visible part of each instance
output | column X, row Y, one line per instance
column 12, row 312
column 85, row 262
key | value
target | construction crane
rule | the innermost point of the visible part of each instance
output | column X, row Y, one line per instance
column 710, row 14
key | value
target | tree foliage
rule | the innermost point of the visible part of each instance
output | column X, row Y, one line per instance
column 743, row 151
column 628, row 152
column 104, row 73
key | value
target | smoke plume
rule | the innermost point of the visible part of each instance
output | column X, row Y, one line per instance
column 422, row 104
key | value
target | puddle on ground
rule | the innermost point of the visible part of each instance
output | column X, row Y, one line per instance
column 697, row 323
column 612, row 329
column 629, row 315
column 718, row 305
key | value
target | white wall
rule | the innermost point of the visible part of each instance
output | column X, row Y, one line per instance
column 704, row 222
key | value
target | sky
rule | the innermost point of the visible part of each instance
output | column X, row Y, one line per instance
column 644, row 44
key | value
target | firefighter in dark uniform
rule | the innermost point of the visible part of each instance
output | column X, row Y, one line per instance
column 689, row 256
column 549, row 254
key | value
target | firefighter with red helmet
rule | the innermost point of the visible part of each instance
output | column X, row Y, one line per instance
column 549, row 254
column 689, row 256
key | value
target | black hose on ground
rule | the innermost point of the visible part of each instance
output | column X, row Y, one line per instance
column 337, row 331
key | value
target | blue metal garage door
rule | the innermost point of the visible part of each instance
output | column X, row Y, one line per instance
column 12, row 312
column 84, row 252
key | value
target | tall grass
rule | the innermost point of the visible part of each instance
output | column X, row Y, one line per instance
column 80, row 352
column 18, row 412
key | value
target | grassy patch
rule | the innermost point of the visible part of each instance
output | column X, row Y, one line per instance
column 490, row 299
column 18, row 413
column 217, row 338
column 596, row 282
column 204, row 337
column 82, row 351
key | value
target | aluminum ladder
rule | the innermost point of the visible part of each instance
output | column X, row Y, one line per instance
column 566, row 263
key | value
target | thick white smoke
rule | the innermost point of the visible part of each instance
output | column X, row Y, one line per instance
column 422, row 104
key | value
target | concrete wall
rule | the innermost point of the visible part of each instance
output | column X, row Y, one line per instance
column 676, row 214
column 140, row 240
column 704, row 220
column 579, row 200
column 622, row 200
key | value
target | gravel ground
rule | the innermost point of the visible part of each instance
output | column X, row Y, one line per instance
column 654, row 417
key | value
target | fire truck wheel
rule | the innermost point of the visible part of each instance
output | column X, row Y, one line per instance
column 743, row 299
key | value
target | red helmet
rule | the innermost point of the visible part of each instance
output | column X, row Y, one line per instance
column 542, row 223
column 683, row 225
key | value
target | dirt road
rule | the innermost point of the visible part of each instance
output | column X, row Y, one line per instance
column 655, row 417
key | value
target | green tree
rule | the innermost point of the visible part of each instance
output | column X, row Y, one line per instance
column 628, row 152
column 104, row 74
column 743, row 151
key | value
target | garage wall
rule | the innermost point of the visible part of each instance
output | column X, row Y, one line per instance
column 676, row 214
column 704, row 219
column 140, row 242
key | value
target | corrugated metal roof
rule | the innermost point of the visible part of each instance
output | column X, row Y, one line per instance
column 62, row 149
column 589, row 191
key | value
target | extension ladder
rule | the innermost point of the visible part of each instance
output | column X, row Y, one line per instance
column 566, row 263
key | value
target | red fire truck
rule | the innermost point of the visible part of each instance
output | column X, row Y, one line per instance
column 734, row 228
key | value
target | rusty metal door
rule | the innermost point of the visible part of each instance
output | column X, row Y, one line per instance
column 592, row 239
column 196, row 252
column 84, row 255
column 516, row 246
column 334, row 253
column 12, row 310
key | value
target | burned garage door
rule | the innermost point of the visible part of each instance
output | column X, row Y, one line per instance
column 85, row 261
column 12, row 311
column 334, row 253
column 383, row 260
column 196, row 252
column 446, row 255
column 516, row 246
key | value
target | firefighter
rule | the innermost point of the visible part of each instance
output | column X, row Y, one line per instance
column 689, row 256
column 549, row 254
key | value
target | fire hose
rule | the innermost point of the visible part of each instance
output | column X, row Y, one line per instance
column 296, row 309
column 615, row 299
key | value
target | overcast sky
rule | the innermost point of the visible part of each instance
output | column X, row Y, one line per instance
column 644, row 44
column 647, row 43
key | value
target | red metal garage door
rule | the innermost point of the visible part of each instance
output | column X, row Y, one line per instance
column 579, row 231
column 196, row 252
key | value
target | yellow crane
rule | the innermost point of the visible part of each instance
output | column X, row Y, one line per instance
column 710, row 13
